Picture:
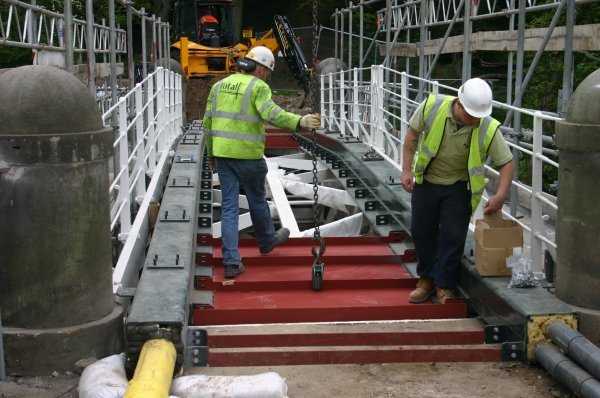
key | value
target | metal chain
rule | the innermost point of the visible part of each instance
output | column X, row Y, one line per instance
column 317, row 232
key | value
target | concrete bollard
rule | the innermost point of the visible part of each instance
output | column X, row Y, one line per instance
column 56, row 264
column 578, row 262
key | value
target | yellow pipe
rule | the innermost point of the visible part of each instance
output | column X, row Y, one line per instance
column 154, row 370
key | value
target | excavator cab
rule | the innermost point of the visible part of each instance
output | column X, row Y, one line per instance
column 205, row 22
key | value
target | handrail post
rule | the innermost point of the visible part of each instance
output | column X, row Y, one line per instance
column 330, row 92
column 123, row 197
column 403, row 106
column 140, row 155
column 343, row 118
column 537, row 222
column 377, row 106
column 160, row 101
column 150, row 115
column 355, row 105
column 324, row 118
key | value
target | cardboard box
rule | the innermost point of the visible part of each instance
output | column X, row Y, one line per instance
column 495, row 240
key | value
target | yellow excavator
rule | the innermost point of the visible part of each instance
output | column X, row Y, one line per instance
column 206, row 46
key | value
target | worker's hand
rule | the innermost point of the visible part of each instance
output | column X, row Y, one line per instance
column 407, row 179
column 212, row 165
column 311, row 121
column 493, row 205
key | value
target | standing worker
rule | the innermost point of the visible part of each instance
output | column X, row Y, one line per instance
column 208, row 30
column 448, row 179
column 235, row 142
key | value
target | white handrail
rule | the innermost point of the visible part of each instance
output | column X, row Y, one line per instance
column 149, row 119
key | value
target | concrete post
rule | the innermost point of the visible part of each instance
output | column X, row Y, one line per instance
column 578, row 262
column 56, row 275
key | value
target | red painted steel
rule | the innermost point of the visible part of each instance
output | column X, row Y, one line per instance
column 363, row 280
column 353, row 355
column 346, row 339
column 280, row 138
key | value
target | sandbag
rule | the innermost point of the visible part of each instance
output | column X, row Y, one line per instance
column 264, row 385
column 104, row 378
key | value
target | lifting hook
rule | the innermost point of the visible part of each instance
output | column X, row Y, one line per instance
column 318, row 267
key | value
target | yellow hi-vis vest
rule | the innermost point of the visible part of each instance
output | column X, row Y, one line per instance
column 434, row 114
column 233, row 121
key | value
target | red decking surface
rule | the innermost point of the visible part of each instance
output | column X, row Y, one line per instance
column 363, row 280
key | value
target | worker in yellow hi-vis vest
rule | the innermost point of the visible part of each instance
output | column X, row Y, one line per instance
column 447, row 180
column 235, row 142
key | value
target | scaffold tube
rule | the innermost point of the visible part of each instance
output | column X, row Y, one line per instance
column 566, row 371
column 576, row 346
column 154, row 370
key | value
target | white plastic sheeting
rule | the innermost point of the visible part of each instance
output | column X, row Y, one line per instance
column 349, row 226
column 331, row 197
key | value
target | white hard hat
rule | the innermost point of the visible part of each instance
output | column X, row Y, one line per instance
column 263, row 56
column 475, row 95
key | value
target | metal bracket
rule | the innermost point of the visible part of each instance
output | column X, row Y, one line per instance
column 362, row 194
column 372, row 205
column 352, row 183
column 371, row 155
column 195, row 356
column 495, row 334
column 206, row 195
column 205, row 207
column 382, row 219
column 409, row 256
column 350, row 140
column 162, row 263
column 392, row 181
column 186, row 140
column 183, row 159
column 513, row 351
column 184, row 217
column 204, row 222
column 174, row 184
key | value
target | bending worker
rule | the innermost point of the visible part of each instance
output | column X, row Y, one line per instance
column 447, row 181
column 235, row 141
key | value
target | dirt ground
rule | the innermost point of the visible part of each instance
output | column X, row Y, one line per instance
column 448, row 380
column 197, row 92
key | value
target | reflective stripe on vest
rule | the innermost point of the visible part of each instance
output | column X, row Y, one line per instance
column 243, row 115
column 435, row 115
column 237, row 130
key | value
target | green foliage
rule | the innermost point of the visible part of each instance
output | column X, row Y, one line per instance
column 12, row 56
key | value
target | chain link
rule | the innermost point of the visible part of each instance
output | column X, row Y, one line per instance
column 313, row 103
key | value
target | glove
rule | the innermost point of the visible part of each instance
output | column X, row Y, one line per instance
column 311, row 121
column 212, row 165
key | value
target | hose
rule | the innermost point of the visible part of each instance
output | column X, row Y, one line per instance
column 154, row 370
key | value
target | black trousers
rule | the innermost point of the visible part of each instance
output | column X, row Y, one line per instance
column 440, row 222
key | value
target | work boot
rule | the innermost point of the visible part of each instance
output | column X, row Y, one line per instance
column 280, row 238
column 423, row 291
column 231, row 271
column 444, row 294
